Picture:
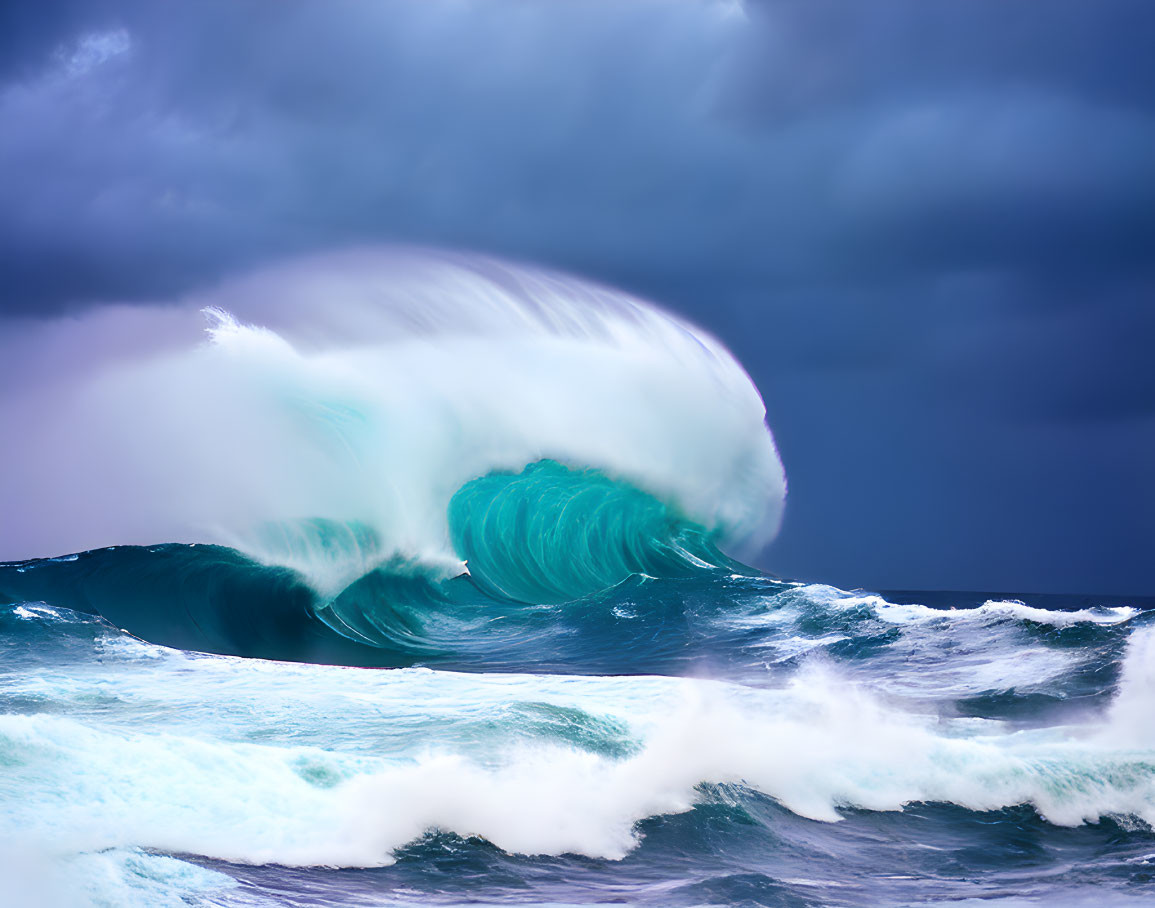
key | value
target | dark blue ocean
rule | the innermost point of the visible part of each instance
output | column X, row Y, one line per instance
column 721, row 738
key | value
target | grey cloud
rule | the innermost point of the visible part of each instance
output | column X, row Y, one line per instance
column 595, row 136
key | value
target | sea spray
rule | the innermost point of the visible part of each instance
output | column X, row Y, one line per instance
column 364, row 390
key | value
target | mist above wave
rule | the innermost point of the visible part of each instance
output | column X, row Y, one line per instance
column 364, row 389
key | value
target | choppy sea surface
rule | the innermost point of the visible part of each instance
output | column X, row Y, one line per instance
column 718, row 739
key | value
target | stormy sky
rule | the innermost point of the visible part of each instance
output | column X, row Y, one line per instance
column 926, row 228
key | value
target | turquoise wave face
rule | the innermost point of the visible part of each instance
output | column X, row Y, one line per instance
column 589, row 547
column 552, row 534
column 549, row 535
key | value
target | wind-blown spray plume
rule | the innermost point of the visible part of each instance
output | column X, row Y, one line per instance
column 376, row 419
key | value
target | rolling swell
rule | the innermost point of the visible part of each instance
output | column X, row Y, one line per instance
column 200, row 597
column 571, row 539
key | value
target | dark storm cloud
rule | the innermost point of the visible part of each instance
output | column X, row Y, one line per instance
column 795, row 141
column 925, row 227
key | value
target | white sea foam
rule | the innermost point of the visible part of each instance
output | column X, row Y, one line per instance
column 1132, row 717
column 31, row 611
column 1018, row 611
column 364, row 389
column 979, row 669
column 817, row 745
column 989, row 611
column 124, row 878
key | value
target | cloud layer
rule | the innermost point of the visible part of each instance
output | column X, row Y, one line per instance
column 925, row 228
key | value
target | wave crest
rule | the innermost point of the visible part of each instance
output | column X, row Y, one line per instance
column 363, row 390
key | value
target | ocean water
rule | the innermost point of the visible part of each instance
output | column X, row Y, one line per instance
column 718, row 739
column 423, row 581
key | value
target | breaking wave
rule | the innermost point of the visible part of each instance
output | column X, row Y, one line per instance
column 366, row 436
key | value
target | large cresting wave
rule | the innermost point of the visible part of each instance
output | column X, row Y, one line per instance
column 338, row 445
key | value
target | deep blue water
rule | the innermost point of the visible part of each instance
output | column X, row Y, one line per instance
column 715, row 738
